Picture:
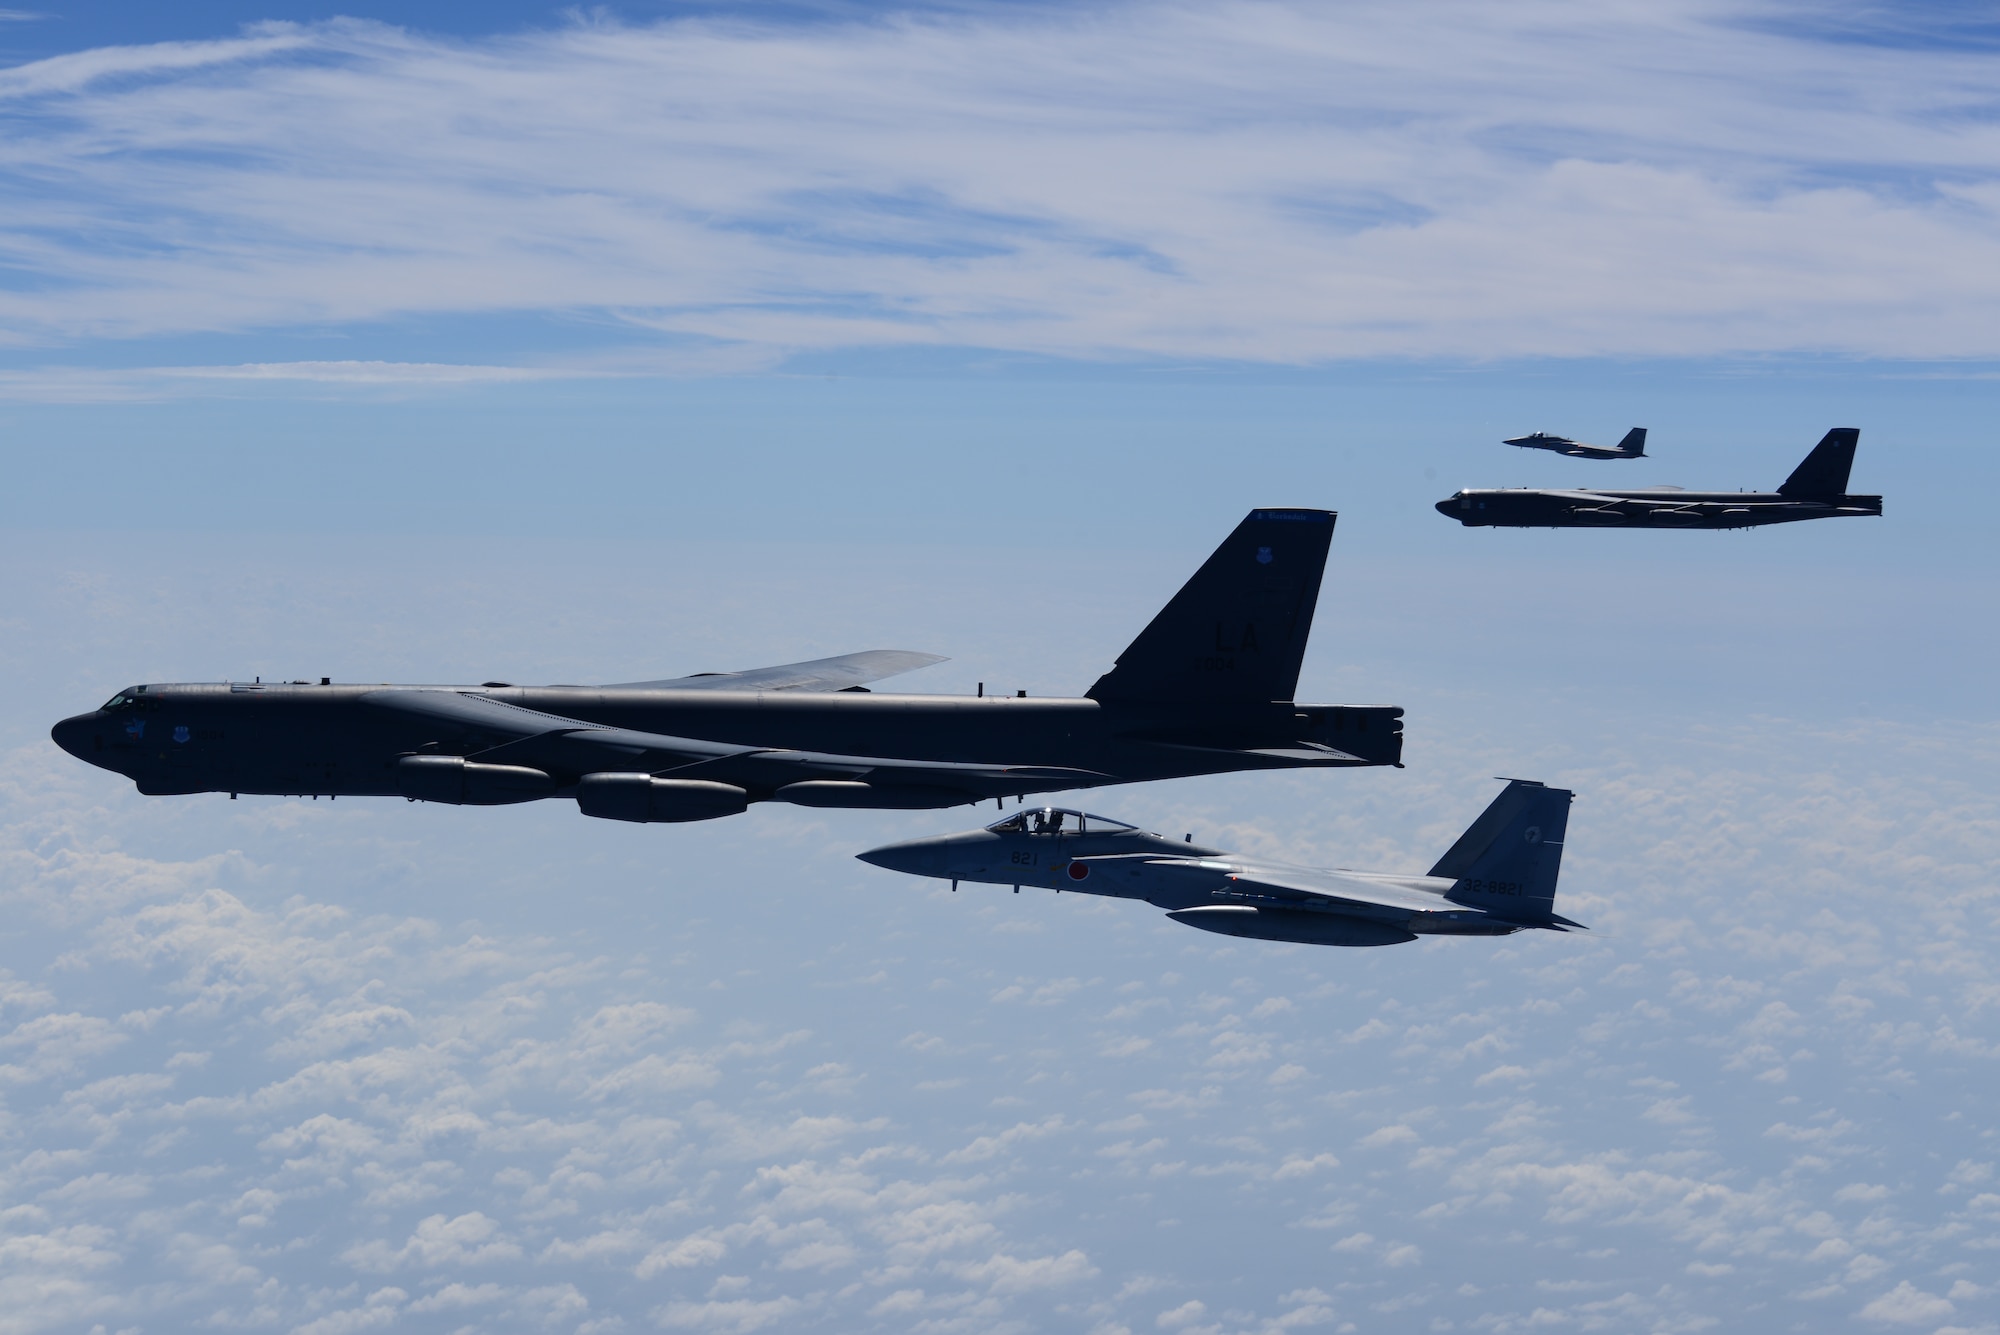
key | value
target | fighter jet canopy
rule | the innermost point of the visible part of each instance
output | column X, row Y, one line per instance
column 1058, row 820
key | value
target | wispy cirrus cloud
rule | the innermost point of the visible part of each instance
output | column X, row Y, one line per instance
column 73, row 73
column 1262, row 181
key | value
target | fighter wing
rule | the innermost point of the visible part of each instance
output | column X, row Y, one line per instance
column 494, row 732
column 819, row 674
column 1363, row 897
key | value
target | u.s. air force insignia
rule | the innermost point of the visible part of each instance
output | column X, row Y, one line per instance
column 181, row 733
column 1263, row 556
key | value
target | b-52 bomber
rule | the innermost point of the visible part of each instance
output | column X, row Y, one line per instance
column 1817, row 489
column 1500, row 877
column 1206, row 688
column 1632, row 447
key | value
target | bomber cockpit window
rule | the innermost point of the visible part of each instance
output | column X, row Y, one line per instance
column 122, row 700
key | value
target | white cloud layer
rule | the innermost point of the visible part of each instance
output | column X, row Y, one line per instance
column 1275, row 182
column 287, row 1066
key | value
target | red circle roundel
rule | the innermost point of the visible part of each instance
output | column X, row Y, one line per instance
column 1077, row 871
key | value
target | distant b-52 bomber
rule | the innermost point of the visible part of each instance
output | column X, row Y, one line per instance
column 1817, row 489
column 1500, row 877
column 1632, row 447
column 1206, row 688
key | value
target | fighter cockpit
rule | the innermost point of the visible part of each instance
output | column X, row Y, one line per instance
column 1059, row 820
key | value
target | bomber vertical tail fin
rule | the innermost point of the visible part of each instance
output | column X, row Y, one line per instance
column 1236, row 632
column 1507, row 861
column 1823, row 473
column 1634, row 444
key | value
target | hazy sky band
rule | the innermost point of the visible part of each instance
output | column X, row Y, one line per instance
column 1261, row 182
column 336, row 349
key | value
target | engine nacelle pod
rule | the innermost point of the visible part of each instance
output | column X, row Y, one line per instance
column 462, row 783
column 645, row 799
column 848, row 793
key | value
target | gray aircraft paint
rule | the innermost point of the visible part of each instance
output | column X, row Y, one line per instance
column 1817, row 489
column 1633, row 446
column 1206, row 688
column 1498, row 878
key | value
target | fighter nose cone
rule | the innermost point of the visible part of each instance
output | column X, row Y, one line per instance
column 895, row 857
column 917, row 857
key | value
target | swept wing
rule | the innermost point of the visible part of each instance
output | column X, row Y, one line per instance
column 840, row 673
column 1299, row 887
column 495, row 732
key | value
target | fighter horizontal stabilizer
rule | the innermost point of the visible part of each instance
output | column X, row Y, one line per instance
column 841, row 673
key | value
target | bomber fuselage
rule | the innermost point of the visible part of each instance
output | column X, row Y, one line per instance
column 332, row 740
column 1642, row 507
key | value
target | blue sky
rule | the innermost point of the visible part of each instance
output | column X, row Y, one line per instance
column 512, row 343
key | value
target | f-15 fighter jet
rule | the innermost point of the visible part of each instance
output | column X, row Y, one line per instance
column 1206, row 688
column 1817, row 489
column 1498, row 878
column 1632, row 447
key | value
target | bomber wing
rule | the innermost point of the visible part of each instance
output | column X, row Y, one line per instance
column 501, row 733
column 841, row 673
column 495, row 732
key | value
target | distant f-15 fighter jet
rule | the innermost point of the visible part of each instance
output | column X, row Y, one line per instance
column 1817, row 489
column 1206, row 688
column 1632, row 447
column 1498, row 878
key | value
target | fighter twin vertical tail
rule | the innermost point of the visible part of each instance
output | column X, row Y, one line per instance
column 1507, row 861
column 1236, row 632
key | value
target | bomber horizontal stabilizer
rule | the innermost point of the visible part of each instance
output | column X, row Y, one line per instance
column 1279, row 757
column 840, row 673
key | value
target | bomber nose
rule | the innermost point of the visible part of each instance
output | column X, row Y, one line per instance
column 75, row 735
column 1447, row 505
